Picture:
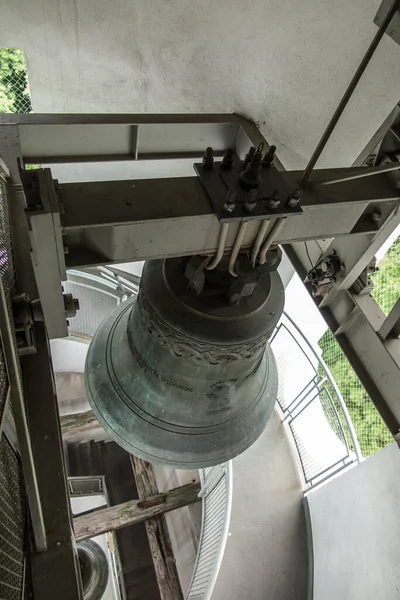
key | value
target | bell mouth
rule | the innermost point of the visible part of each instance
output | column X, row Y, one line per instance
column 171, row 397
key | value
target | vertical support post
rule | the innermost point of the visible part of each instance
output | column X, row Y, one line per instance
column 157, row 533
column 18, row 407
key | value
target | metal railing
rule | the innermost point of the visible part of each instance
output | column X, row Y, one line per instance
column 312, row 407
column 216, row 493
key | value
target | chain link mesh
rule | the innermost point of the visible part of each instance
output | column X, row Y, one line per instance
column 372, row 433
column 14, row 87
column 8, row 278
column 12, row 523
column 14, row 97
column 386, row 278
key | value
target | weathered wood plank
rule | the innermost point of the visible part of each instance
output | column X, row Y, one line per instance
column 77, row 423
column 134, row 511
column 158, row 536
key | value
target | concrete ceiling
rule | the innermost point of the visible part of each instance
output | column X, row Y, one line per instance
column 284, row 64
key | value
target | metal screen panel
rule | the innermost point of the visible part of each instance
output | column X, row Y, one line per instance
column 12, row 523
column 95, row 306
column 8, row 277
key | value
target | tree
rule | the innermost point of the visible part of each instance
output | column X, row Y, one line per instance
column 14, row 89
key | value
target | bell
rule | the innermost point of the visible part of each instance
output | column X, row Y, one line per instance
column 187, row 379
column 94, row 569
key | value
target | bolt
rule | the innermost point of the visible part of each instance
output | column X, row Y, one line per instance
column 66, row 250
column 251, row 201
column 294, row 198
column 227, row 160
column 230, row 202
column 208, row 159
column 269, row 157
column 249, row 156
column 274, row 201
column 251, row 176
column 376, row 216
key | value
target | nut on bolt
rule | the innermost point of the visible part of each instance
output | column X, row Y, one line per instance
column 208, row 159
column 294, row 198
column 251, row 201
column 230, row 202
column 274, row 201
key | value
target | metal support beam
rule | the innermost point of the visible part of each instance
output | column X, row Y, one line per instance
column 21, row 425
column 391, row 325
column 55, row 572
column 134, row 511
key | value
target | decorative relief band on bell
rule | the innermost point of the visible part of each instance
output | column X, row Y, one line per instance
column 188, row 348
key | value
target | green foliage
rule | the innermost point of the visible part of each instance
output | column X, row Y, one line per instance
column 14, row 90
column 371, row 431
column 387, row 279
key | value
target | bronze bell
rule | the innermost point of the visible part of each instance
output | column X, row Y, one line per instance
column 94, row 569
column 187, row 378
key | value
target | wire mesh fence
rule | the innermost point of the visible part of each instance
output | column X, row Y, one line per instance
column 12, row 523
column 8, row 278
column 372, row 433
column 14, row 87
column 386, row 278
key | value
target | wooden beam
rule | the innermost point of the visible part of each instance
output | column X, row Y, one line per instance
column 134, row 511
column 77, row 423
column 158, row 536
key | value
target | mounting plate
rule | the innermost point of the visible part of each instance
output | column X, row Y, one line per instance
column 220, row 183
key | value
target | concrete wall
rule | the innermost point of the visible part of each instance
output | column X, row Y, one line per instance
column 284, row 64
column 356, row 530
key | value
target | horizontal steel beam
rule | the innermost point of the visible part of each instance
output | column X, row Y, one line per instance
column 51, row 138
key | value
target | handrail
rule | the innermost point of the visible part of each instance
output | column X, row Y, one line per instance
column 216, row 492
column 316, row 405
column 333, row 383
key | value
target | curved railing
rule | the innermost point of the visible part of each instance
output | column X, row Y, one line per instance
column 312, row 407
column 216, row 493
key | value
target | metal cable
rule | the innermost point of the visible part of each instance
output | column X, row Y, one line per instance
column 223, row 232
column 236, row 248
column 258, row 241
column 271, row 237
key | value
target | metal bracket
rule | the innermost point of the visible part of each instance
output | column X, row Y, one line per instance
column 231, row 200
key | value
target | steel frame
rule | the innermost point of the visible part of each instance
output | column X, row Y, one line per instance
column 116, row 221
column 108, row 222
